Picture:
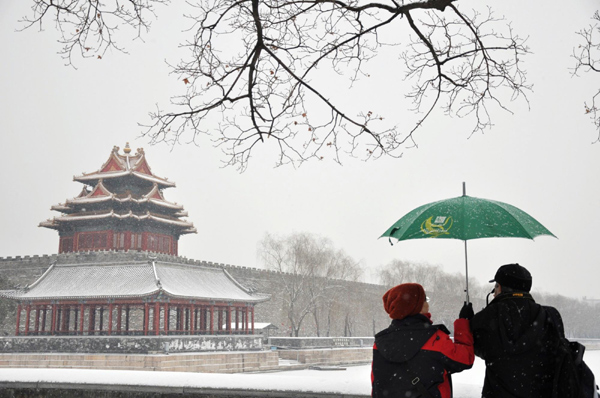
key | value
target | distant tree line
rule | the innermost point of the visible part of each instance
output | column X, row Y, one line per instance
column 317, row 290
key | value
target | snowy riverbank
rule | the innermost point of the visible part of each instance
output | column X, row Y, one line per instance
column 355, row 380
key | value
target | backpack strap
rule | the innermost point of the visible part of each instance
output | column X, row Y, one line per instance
column 556, row 320
column 416, row 381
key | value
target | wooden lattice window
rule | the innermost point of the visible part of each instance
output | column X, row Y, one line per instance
column 93, row 240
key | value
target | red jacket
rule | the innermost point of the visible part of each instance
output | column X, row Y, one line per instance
column 413, row 347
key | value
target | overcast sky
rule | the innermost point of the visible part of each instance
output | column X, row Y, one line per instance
column 58, row 121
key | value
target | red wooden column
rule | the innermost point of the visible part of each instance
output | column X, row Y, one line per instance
column 18, row 319
column 166, row 316
column 81, row 318
column 192, row 319
column 146, row 320
column 127, row 319
column 110, row 318
column 247, row 328
column 237, row 319
column 219, row 319
column 252, row 309
column 53, row 321
column 156, row 318
column 228, row 317
column 28, row 315
column 36, row 326
column 119, row 317
column 212, row 314
column 92, row 322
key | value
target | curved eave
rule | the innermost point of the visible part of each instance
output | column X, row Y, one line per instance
column 21, row 295
column 90, row 217
column 24, row 297
column 254, row 299
column 101, row 199
column 93, row 178
column 168, row 204
column 49, row 224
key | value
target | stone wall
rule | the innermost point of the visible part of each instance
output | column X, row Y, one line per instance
column 321, row 342
column 364, row 317
column 329, row 356
column 214, row 362
column 128, row 344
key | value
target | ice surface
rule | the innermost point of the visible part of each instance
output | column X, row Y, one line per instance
column 353, row 380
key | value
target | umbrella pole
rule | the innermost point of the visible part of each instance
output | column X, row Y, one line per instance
column 467, row 273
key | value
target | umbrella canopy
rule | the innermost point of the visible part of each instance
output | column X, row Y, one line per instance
column 466, row 218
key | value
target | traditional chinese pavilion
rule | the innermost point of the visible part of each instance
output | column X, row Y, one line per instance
column 124, row 212
column 121, row 207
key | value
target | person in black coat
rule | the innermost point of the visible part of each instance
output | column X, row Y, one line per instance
column 514, row 335
column 413, row 357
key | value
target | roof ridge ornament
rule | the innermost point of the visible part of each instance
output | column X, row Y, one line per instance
column 156, row 278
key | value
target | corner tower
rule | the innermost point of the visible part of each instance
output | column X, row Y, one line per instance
column 121, row 207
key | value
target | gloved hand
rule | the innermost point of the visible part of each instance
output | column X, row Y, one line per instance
column 466, row 311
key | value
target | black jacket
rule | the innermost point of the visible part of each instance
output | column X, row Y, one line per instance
column 413, row 347
column 514, row 336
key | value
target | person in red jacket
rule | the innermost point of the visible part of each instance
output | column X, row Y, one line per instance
column 413, row 357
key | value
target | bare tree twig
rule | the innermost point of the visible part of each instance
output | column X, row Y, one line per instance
column 256, row 71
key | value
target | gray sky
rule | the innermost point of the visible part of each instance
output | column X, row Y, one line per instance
column 58, row 121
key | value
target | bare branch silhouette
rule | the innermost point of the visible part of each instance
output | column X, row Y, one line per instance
column 260, row 71
column 587, row 59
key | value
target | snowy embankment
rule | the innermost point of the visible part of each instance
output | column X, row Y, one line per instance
column 355, row 380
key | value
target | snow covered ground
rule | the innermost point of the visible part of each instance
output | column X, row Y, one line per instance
column 353, row 380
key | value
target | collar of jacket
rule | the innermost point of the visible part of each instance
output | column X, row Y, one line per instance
column 512, row 295
column 412, row 320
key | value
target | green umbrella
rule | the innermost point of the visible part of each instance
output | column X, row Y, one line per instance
column 466, row 218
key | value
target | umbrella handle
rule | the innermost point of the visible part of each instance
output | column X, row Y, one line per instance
column 466, row 274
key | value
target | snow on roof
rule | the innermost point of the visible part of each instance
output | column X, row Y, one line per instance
column 119, row 165
column 128, row 198
column 53, row 223
column 94, row 177
column 98, row 281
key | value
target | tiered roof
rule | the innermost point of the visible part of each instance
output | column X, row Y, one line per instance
column 119, row 166
column 123, row 188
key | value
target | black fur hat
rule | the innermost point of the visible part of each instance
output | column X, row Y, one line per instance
column 513, row 276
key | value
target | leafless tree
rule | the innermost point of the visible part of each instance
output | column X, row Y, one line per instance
column 587, row 59
column 309, row 269
column 262, row 71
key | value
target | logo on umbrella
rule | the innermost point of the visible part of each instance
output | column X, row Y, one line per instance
column 440, row 226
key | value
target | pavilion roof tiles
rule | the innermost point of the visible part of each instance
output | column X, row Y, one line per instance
column 134, row 280
column 154, row 196
column 55, row 221
column 118, row 166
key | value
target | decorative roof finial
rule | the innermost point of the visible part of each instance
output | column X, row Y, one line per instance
column 127, row 150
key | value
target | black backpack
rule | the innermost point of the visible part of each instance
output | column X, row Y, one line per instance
column 572, row 377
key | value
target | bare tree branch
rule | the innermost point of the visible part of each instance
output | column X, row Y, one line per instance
column 261, row 71
column 90, row 26
column 587, row 59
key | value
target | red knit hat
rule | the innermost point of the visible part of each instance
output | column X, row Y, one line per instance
column 404, row 300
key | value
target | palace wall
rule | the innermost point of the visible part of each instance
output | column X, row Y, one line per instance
column 355, row 311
